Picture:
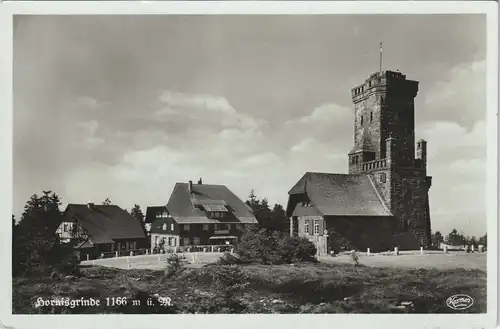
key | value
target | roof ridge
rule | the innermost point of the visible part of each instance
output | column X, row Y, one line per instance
column 378, row 194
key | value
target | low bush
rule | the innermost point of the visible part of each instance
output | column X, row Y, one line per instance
column 295, row 250
column 259, row 245
column 272, row 247
column 174, row 265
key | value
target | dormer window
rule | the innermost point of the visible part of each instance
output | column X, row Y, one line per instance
column 162, row 214
column 216, row 210
column 216, row 214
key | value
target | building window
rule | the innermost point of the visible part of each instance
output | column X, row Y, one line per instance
column 65, row 228
column 171, row 227
column 185, row 227
column 164, row 227
column 306, row 227
column 316, row 227
column 187, row 241
column 228, row 227
column 382, row 178
column 239, row 227
column 196, row 240
column 205, row 227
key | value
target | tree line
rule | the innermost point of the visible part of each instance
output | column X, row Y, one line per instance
column 457, row 239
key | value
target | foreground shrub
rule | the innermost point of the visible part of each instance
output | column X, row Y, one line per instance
column 225, row 283
column 228, row 279
column 174, row 265
column 294, row 250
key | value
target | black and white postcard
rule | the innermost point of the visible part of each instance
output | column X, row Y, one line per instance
column 311, row 160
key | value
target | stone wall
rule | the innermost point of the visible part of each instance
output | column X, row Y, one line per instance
column 410, row 203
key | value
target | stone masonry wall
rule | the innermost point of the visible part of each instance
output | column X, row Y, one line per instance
column 410, row 203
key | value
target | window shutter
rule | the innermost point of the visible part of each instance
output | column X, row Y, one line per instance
column 311, row 226
column 321, row 225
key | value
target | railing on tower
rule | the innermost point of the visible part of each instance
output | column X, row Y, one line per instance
column 374, row 165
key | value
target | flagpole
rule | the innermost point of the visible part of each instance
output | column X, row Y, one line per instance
column 380, row 57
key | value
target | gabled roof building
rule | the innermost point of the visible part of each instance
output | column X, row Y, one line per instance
column 97, row 229
column 198, row 214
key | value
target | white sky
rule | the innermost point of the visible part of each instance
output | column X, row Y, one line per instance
column 124, row 107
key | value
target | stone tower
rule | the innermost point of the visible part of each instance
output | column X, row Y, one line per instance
column 384, row 149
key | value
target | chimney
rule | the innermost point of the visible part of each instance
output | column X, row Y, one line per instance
column 90, row 205
column 190, row 186
column 422, row 151
column 200, row 182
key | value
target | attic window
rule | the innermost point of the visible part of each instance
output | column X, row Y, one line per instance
column 382, row 178
column 164, row 227
column 216, row 214
column 162, row 214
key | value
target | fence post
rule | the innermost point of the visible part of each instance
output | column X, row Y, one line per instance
column 396, row 251
column 421, row 251
column 158, row 258
column 472, row 248
column 367, row 251
column 445, row 249
column 102, row 255
column 147, row 252
column 131, row 253
column 116, row 253
column 211, row 248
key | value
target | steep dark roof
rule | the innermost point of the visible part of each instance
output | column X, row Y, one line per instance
column 182, row 204
column 105, row 223
column 341, row 194
column 151, row 213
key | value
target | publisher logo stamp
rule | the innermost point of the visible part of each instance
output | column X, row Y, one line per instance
column 459, row 302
